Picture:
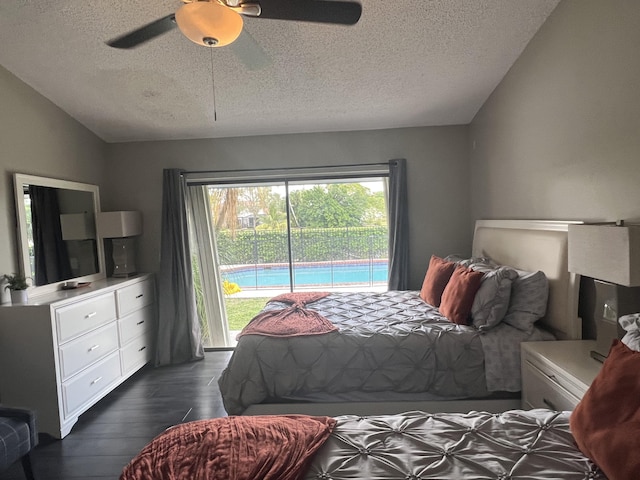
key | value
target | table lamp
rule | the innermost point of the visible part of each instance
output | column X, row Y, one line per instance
column 610, row 254
column 121, row 227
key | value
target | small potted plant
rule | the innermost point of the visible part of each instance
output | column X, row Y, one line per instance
column 17, row 285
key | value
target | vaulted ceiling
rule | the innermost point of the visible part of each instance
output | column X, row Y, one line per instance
column 405, row 63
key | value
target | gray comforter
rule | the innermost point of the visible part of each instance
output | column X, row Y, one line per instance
column 391, row 341
column 532, row 445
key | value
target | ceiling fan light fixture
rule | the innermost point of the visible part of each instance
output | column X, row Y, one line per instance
column 209, row 23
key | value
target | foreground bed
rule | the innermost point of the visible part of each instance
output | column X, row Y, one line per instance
column 532, row 445
column 393, row 347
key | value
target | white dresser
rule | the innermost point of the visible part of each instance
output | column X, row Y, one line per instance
column 64, row 351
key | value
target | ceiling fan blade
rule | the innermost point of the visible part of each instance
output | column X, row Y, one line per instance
column 145, row 33
column 321, row 11
column 249, row 52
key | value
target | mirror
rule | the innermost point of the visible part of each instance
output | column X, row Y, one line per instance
column 57, row 231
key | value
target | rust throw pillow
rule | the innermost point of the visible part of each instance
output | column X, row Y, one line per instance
column 459, row 293
column 436, row 280
column 233, row 448
column 606, row 422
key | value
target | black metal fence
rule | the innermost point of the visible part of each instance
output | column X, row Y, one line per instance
column 255, row 247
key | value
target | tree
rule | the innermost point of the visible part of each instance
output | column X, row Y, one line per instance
column 275, row 217
column 331, row 206
column 376, row 213
column 224, row 207
column 256, row 200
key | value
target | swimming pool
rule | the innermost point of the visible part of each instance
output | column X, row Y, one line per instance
column 336, row 274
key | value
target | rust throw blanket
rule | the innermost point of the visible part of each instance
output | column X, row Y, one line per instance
column 276, row 447
column 292, row 321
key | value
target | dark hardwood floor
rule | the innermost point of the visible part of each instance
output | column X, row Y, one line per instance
column 113, row 431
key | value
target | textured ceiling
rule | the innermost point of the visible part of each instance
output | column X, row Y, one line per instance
column 406, row 63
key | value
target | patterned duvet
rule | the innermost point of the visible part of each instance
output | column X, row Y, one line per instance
column 517, row 444
column 386, row 342
column 532, row 445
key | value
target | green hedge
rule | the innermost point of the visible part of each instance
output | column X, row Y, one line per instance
column 307, row 244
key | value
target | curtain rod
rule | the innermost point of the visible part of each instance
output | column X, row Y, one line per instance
column 293, row 174
column 196, row 172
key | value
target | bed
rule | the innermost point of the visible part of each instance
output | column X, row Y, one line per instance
column 393, row 351
column 600, row 439
column 517, row 444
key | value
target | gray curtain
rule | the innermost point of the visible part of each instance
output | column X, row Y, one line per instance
column 179, row 335
column 398, row 226
column 51, row 257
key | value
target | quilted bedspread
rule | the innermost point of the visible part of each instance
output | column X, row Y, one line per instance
column 391, row 341
column 532, row 445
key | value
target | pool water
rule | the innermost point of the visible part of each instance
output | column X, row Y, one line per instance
column 261, row 276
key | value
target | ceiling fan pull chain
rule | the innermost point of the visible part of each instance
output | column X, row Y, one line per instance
column 213, row 88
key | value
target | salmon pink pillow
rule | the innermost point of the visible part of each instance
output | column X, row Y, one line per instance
column 458, row 295
column 606, row 422
column 436, row 280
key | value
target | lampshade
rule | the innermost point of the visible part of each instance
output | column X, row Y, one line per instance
column 209, row 23
column 119, row 224
column 606, row 252
column 77, row 226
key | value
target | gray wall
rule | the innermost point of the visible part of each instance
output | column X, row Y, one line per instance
column 38, row 138
column 560, row 136
column 437, row 164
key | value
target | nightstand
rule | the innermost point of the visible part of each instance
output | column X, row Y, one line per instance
column 556, row 374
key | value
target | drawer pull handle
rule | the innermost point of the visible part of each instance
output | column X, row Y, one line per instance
column 96, row 380
column 94, row 347
column 92, row 314
column 142, row 348
column 140, row 322
column 140, row 296
column 549, row 404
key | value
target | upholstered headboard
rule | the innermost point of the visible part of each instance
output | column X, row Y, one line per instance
column 537, row 245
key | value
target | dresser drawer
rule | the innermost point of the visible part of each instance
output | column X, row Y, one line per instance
column 135, row 324
column 137, row 352
column 81, row 388
column 87, row 349
column 545, row 390
column 134, row 297
column 81, row 317
column 556, row 374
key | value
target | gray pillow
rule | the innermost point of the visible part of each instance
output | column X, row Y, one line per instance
column 492, row 299
column 529, row 295
column 467, row 262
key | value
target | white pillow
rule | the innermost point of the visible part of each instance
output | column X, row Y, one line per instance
column 631, row 324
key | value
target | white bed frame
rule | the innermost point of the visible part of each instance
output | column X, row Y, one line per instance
column 523, row 244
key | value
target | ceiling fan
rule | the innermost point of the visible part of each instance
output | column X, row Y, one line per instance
column 216, row 23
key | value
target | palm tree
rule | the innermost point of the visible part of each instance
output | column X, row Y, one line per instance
column 275, row 217
column 224, row 207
